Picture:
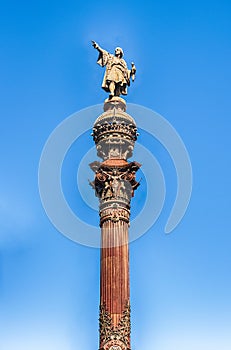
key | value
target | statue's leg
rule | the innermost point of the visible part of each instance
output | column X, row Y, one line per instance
column 123, row 89
column 112, row 88
column 117, row 90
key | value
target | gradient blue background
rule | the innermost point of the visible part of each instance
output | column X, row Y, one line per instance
column 180, row 283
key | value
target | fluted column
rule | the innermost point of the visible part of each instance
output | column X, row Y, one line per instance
column 114, row 281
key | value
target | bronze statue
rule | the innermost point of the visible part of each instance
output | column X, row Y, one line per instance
column 117, row 75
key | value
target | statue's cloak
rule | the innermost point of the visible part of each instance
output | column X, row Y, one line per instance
column 116, row 71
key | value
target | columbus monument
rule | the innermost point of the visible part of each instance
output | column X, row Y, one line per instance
column 114, row 134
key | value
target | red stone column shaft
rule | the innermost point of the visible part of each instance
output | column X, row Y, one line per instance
column 114, row 277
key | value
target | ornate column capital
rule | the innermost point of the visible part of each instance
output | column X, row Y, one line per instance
column 114, row 184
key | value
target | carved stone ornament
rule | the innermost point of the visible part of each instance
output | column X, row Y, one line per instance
column 115, row 347
column 114, row 214
column 114, row 184
column 114, row 181
column 114, row 337
column 115, row 131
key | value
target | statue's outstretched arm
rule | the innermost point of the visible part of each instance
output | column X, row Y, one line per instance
column 96, row 46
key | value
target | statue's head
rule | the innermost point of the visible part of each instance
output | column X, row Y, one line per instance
column 119, row 52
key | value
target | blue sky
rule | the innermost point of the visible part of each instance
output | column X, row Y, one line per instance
column 180, row 283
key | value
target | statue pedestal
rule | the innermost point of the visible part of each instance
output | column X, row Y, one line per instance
column 115, row 102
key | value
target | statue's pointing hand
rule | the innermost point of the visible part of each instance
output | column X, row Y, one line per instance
column 94, row 44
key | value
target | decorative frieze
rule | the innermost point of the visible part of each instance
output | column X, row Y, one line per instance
column 114, row 214
column 114, row 337
column 114, row 131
